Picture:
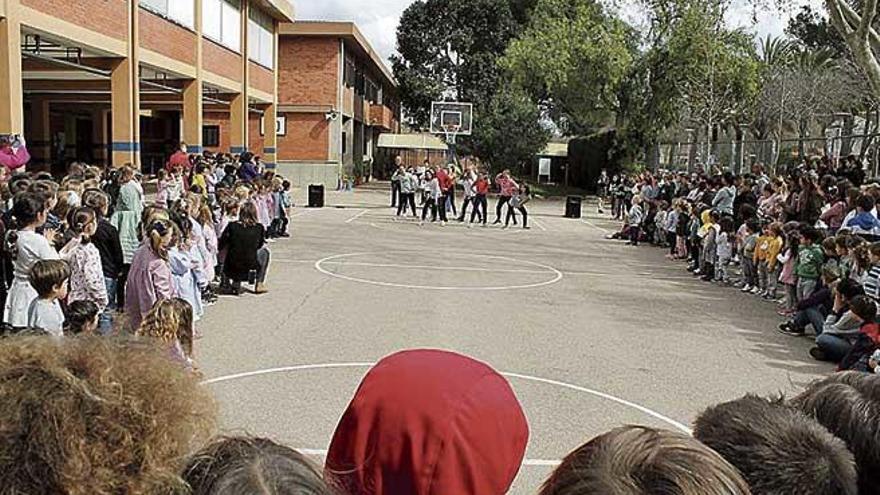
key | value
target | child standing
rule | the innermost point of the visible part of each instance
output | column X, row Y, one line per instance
column 681, row 230
column 166, row 323
column 634, row 219
column 162, row 186
column 708, row 256
column 766, row 252
column 49, row 279
column 787, row 276
column 809, row 262
column 747, row 255
column 671, row 226
column 723, row 249
column 86, row 275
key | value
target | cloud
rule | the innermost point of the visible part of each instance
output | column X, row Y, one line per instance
column 377, row 19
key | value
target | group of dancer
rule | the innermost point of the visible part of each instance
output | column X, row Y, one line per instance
column 436, row 188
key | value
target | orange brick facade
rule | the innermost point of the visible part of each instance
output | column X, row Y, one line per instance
column 222, row 120
column 167, row 38
column 262, row 78
column 308, row 71
column 108, row 17
column 221, row 61
column 307, row 139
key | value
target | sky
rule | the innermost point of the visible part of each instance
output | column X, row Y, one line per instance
column 378, row 19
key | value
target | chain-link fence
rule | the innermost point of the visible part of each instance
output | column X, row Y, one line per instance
column 738, row 156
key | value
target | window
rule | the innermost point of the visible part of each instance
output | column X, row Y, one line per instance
column 221, row 22
column 280, row 125
column 261, row 38
column 182, row 12
column 211, row 136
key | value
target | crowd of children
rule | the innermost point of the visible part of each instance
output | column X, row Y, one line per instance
column 436, row 189
column 806, row 240
column 90, row 254
column 95, row 415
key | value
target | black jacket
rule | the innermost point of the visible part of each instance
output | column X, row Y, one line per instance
column 106, row 239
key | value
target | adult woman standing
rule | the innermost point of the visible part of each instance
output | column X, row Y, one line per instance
column 246, row 252
column 27, row 248
column 149, row 278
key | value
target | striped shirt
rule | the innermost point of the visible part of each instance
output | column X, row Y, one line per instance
column 872, row 283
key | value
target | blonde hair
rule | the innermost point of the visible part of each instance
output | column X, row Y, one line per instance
column 162, row 322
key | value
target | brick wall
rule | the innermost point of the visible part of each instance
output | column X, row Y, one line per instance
column 262, row 78
column 221, row 61
column 221, row 119
column 165, row 37
column 308, row 70
column 108, row 17
column 308, row 138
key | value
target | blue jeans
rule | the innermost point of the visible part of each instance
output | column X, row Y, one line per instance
column 834, row 347
column 105, row 320
column 810, row 316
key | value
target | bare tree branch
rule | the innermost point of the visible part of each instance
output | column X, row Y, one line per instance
column 869, row 13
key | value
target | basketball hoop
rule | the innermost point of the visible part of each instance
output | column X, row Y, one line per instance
column 450, row 132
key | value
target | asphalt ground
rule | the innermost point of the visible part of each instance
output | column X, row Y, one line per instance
column 591, row 333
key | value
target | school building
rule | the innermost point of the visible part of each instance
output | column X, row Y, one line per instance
column 335, row 98
column 121, row 81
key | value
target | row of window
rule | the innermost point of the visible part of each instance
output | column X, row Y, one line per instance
column 211, row 132
column 221, row 22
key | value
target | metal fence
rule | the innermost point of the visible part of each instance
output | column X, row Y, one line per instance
column 738, row 156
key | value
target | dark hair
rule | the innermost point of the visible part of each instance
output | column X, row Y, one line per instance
column 243, row 465
column 753, row 225
column 777, row 448
column 864, row 308
column 27, row 208
column 247, row 215
column 865, row 202
column 810, row 233
column 726, row 224
column 848, row 404
column 79, row 219
column 285, row 185
column 637, row 460
column 47, row 274
column 79, row 314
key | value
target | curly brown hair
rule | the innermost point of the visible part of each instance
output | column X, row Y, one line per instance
column 95, row 416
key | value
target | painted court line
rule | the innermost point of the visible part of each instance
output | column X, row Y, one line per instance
column 538, row 224
column 352, row 219
column 591, row 224
column 536, row 379
column 549, row 270
column 438, row 268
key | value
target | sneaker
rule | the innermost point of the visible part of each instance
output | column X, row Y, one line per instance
column 757, row 290
column 788, row 328
column 818, row 354
column 746, row 288
column 784, row 312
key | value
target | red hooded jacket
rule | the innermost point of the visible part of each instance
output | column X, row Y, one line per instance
column 428, row 422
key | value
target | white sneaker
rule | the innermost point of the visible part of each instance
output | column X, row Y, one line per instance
column 757, row 291
column 746, row 288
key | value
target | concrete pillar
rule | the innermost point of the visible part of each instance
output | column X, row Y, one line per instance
column 40, row 139
column 12, row 107
column 125, row 99
column 191, row 128
column 238, row 124
column 270, row 136
column 192, row 115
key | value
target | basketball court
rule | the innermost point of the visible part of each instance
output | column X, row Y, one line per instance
column 591, row 334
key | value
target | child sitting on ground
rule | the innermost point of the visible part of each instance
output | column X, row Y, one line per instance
column 49, row 279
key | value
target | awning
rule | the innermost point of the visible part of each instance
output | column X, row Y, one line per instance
column 555, row 150
column 412, row 142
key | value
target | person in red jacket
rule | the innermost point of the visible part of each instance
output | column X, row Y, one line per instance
column 481, row 190
column 179, row 158
column 429, row 422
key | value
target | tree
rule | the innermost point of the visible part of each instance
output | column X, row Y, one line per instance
column 811, row 30
column 855, row 24
column 509, row 133
column 572, row 58
column 448, row 49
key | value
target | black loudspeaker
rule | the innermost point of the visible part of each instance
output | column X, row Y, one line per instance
column 316, row 196
column 573, row 207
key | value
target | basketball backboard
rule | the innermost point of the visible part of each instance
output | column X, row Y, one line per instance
column 451, row 118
